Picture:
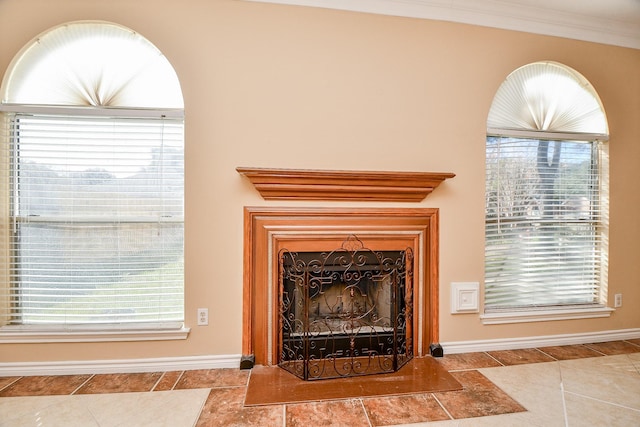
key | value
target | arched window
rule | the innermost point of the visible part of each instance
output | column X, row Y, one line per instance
column 91, row 181
column 546, row 193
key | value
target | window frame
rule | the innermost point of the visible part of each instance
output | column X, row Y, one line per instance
column 18, row 333
column 539, row 313
column 547, row 100
column 127, row 77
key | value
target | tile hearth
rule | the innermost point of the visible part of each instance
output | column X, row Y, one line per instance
column 591, row 384
column 272, row 385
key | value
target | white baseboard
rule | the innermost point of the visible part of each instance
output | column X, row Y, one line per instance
column 540, row 341
column 76, row 367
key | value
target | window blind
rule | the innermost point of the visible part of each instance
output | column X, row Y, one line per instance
column 543, row 216
column 94, row 229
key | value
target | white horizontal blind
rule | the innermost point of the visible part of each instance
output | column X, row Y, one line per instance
column 543, row 216
column 95, row 228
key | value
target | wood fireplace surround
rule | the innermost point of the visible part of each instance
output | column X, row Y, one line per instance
column 267, row 230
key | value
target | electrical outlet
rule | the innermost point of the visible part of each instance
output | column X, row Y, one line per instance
column 203, row 316
column 617, row 300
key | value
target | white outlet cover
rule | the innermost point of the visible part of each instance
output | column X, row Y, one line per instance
column 464, row 297
column 617, row 301
column 203, row 316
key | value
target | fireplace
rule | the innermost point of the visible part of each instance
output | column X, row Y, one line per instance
column 273, row 231
column 274, row 237
column 344, row 312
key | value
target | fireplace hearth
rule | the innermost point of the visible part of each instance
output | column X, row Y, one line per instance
column 345, row 312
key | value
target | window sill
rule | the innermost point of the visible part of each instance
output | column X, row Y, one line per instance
column 18, row 335
column 545, row 315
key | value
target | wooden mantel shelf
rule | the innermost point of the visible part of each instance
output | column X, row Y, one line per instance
column 310, row 184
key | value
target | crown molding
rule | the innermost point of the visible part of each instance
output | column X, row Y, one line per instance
column 496, row 14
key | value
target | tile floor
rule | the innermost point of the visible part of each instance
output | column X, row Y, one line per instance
column 576, row 385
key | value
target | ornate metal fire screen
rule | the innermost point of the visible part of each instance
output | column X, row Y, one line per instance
column 345, row 313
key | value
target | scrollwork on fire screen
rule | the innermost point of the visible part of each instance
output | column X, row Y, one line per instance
column 347, row 312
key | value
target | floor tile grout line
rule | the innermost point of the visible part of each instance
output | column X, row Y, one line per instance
column 246, row 390
column 636, row 367
column 596, row 350
column 11, row 383
column 93, row 416
column 501, row 364
column 547, row 354
column 82, row 385
column 248, row 378
column 602, row 401
column 173, row 387
column 564, row 400
column 284, row 415
column 442, row 406
column 158, row 381
column 366, row 414
column 216, row 387
column 204, row 403
column 629, row 342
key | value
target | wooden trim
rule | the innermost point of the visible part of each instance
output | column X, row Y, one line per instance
column 248, row 284
column 431, row 294
column 267, row 229
column 302, row 184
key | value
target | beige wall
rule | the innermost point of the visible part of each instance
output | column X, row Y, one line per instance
column 283, row 86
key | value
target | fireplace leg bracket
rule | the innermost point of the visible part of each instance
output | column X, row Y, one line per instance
column 436, row 350
column 247, row 361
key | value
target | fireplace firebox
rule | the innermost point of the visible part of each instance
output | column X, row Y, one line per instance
column 345, row 312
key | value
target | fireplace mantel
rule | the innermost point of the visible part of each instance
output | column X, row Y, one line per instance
column 311, row 184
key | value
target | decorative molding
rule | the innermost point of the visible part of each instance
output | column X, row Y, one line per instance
column 546, row 18
column 78, row 367
column 309, row 184
column 454, row 347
